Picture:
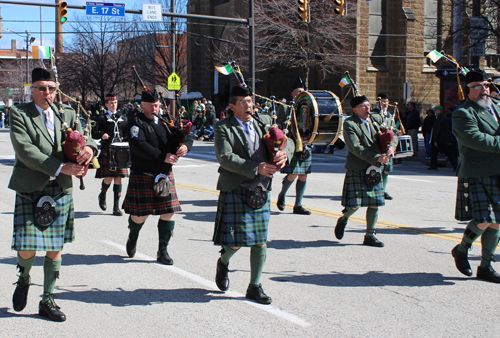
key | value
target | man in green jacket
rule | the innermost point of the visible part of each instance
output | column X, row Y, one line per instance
column 475, row 125
column 246, row 166
column 42, row 173
column 363, row 151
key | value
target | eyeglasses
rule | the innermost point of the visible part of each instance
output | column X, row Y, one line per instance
column 44, row 88
column 480, row 86
column 244, row 103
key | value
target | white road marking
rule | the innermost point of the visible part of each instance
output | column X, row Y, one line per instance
column 408, row 179
column 211, row 285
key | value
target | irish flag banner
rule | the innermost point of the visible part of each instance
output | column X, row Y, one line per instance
column 226, row 70
column 40, row 52
column 344, row 82
column 435, row 55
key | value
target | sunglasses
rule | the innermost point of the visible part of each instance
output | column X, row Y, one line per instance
column 480, row 87
column 44, row 88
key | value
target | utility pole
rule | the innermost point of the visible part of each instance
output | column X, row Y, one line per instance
column 172, row 55
column 476, row 13
column 251, row 44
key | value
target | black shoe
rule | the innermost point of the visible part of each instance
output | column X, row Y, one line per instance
column 102, row 201
column 132, row 244
column 257, row 294
column 221, row 277
column 387, row 196
column 281, row 203
column 371, row 240
column 300, row 210
column 462, row 261
column 163, row 257
column 488, row 274
column 116, row 210
column 20, row 297
column 340, row 227
column 50, row 310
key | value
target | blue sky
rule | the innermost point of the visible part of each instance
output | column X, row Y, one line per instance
column 19, row 18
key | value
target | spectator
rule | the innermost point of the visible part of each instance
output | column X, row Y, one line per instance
column 441, row 140
column 413, row 123
column 426, row 131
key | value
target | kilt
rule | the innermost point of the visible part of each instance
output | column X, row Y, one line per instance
column 388, row 167
column 141, row 200
column 237, row 224
column 104, row 170
column 483, row 203
column 27, row 236
column 297, row 167
column 356, row 192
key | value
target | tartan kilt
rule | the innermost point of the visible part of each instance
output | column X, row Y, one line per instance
column 297, row 167
column 28, row 237
column 237, row 224
column 356, row 192
column 104, row 170
column 141, row 200
column 388, row 167
column 483, row 202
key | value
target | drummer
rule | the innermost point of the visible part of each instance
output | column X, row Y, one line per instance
column 390, row 123
column 110, row 127
column 299, row 166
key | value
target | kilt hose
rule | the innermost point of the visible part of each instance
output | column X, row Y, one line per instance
column 141, row 200
column 104, row 170
column 28, row 237
column 297, row 167
column 356, row 193
column 483, row 201
column 236, row 223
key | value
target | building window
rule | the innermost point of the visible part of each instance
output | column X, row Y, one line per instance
column 430, row 28
column 377, row 41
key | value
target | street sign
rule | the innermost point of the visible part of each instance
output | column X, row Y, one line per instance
column 105, row 8
column 171, row 94
column 174, row 82
column 151, row 12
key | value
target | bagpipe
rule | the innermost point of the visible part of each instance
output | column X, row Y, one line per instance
column 73, row 140
column 176, row 135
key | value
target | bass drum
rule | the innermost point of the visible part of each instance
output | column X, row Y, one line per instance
column 318, row 117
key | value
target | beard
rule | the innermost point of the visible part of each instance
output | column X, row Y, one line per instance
column 484, row 102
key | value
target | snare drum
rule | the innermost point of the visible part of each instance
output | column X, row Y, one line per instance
column 119, row 156
column 318, row 117
column 405, row 147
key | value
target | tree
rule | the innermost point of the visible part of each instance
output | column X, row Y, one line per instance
column 326, row 43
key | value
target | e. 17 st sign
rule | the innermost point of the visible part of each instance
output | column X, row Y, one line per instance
column 105, row 8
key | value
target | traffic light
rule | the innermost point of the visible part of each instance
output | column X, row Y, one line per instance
column 340, row 10
column 303, row 11
column 63, row 11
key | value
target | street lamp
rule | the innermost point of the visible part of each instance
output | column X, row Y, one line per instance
column 29, row 40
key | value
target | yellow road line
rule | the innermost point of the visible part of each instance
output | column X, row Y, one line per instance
column 335, row 215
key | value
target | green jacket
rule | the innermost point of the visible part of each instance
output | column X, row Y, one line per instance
column 36, row 156
column 233, row 152
column 362, row 147
column 478, row 137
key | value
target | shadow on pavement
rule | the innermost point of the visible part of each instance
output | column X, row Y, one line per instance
column 72, row 259
column 120, row 297
column 291, row 244
column 372, row 279
column 4, row 313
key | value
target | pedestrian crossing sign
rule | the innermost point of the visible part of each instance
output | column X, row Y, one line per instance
column 174, row 82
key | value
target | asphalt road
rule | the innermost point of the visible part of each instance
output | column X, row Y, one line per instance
column 320, row 287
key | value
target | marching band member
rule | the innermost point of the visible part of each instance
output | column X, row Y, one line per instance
column 388, row 120
column 110, row 127
column 244, row 168
column 152, row 160
column 475, row 125
column 41, row 174
column 363, row 151
column 298, row 167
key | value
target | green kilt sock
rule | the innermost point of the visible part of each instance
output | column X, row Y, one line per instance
column 134, row 227
column 348, row 212
column 371, row 220
column 165, row 229
column 117, row 191
column 471, row 233
column 286, row 185
column 385, row 178
column 50, row 274
column 104, row 187
column 489, row 242
column 24, row 266
column 257, row 259
column 300, row 189
column 226, row 254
